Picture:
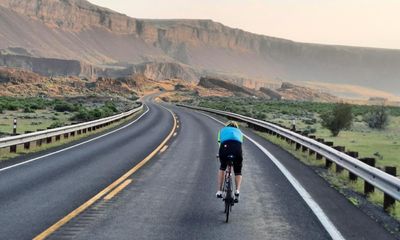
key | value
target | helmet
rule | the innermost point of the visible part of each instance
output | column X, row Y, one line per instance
column 232, row 124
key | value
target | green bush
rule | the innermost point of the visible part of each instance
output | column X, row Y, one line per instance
column 28, row 110
column 338, row 119
column 64, row 107
column 377, row 118
column 56, row 124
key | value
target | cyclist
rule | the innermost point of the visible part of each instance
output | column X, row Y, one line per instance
column 230, row 140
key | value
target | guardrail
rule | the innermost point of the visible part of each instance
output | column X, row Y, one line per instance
column 387, row 183
column 66, row 131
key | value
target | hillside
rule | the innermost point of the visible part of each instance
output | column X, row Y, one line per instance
column 99, row 42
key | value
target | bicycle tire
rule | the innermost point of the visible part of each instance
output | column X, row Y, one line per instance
column 228, row 208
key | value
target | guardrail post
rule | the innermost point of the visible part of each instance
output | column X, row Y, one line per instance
column 312, row 137
column 389, row 201
column 72, row 134
column 298, row 146
column 79, row 132
column 339, row 168
column 84, row 131
column 13, row 149
column 368, row 187
column 15, row 127
column 58, row 138
column 311, row 152
column 304, row 148
column 319, row 156
column 89, row 129
column 27, row 145
column 49, row 140
column 328, row 163
column 352, row 176
column 39, row 142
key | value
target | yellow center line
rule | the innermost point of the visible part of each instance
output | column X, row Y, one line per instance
column 91, row 201
column 117, row 190
column 164, row 148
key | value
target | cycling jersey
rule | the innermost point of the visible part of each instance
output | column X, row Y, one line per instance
column 230, row 134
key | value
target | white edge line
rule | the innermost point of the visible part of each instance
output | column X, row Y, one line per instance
column 312, row 204
column 76, row 145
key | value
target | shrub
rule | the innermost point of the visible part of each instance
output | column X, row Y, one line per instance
column 28, row 110
column 64, row 107
column 377, row 118
column 338, row 119
column 56, row 124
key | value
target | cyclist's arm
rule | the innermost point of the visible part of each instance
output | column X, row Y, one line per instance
column 219, row 137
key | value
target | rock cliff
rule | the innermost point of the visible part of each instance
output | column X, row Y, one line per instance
column 99, row 37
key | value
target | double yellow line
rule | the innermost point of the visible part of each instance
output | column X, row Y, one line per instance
column 112, row 186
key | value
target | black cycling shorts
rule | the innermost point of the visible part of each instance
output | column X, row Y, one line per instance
column 231, row 148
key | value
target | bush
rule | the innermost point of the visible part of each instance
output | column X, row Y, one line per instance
column 28, row 110
column 377, row 118
column 338, row 119
column 64, row 107
column 56, row 124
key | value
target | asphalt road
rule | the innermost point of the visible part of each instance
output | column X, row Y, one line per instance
column 36, row 195
column 173, row 195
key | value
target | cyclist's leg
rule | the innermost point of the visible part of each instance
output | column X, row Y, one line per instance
column 222, row 168
column 237, row 167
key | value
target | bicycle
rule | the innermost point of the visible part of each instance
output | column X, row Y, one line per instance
column 228, row 197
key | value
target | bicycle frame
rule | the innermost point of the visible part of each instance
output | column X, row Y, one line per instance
column 228, row 190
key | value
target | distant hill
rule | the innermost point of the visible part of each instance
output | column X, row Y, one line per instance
column 91, row 41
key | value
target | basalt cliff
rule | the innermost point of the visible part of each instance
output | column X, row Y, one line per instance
column 75, row 37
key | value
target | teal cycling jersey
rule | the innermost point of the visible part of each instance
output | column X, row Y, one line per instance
column 230, row 133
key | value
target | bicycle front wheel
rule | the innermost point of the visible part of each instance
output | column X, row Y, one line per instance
column 227, row 210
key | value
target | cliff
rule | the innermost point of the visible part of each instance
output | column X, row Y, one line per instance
column 104, row 39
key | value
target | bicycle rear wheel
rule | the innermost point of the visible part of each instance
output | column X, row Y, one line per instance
column 227, row 210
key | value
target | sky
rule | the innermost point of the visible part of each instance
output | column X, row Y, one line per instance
column 367, row 23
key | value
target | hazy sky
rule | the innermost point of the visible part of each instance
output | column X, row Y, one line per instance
column 371, row 23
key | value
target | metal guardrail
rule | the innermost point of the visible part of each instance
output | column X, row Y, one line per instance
column 385, row 182
column 30, row 137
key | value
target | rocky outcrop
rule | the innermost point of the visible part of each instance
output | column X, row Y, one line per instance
column 271, row 93
column 289, row 91
column 78, row 30
column 214, row 83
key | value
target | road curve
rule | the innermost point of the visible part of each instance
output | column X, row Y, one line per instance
column 173, row 197
column 35, row 195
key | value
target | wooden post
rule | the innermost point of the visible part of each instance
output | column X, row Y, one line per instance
column 13, row 149
column 66, row 135
column 304, row 148
column 49, row 140
column 368, row 188
column 339, row 169
column 389, row 201
column 298, row 146
column 352, row 176
column 58, row 138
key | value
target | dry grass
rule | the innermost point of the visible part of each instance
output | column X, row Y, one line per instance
column 340, row 180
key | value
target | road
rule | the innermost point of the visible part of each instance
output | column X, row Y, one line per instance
column 173, row 195
column 35, row 195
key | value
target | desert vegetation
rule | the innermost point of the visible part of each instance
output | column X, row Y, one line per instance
column 373, row 131
column 38, row 113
